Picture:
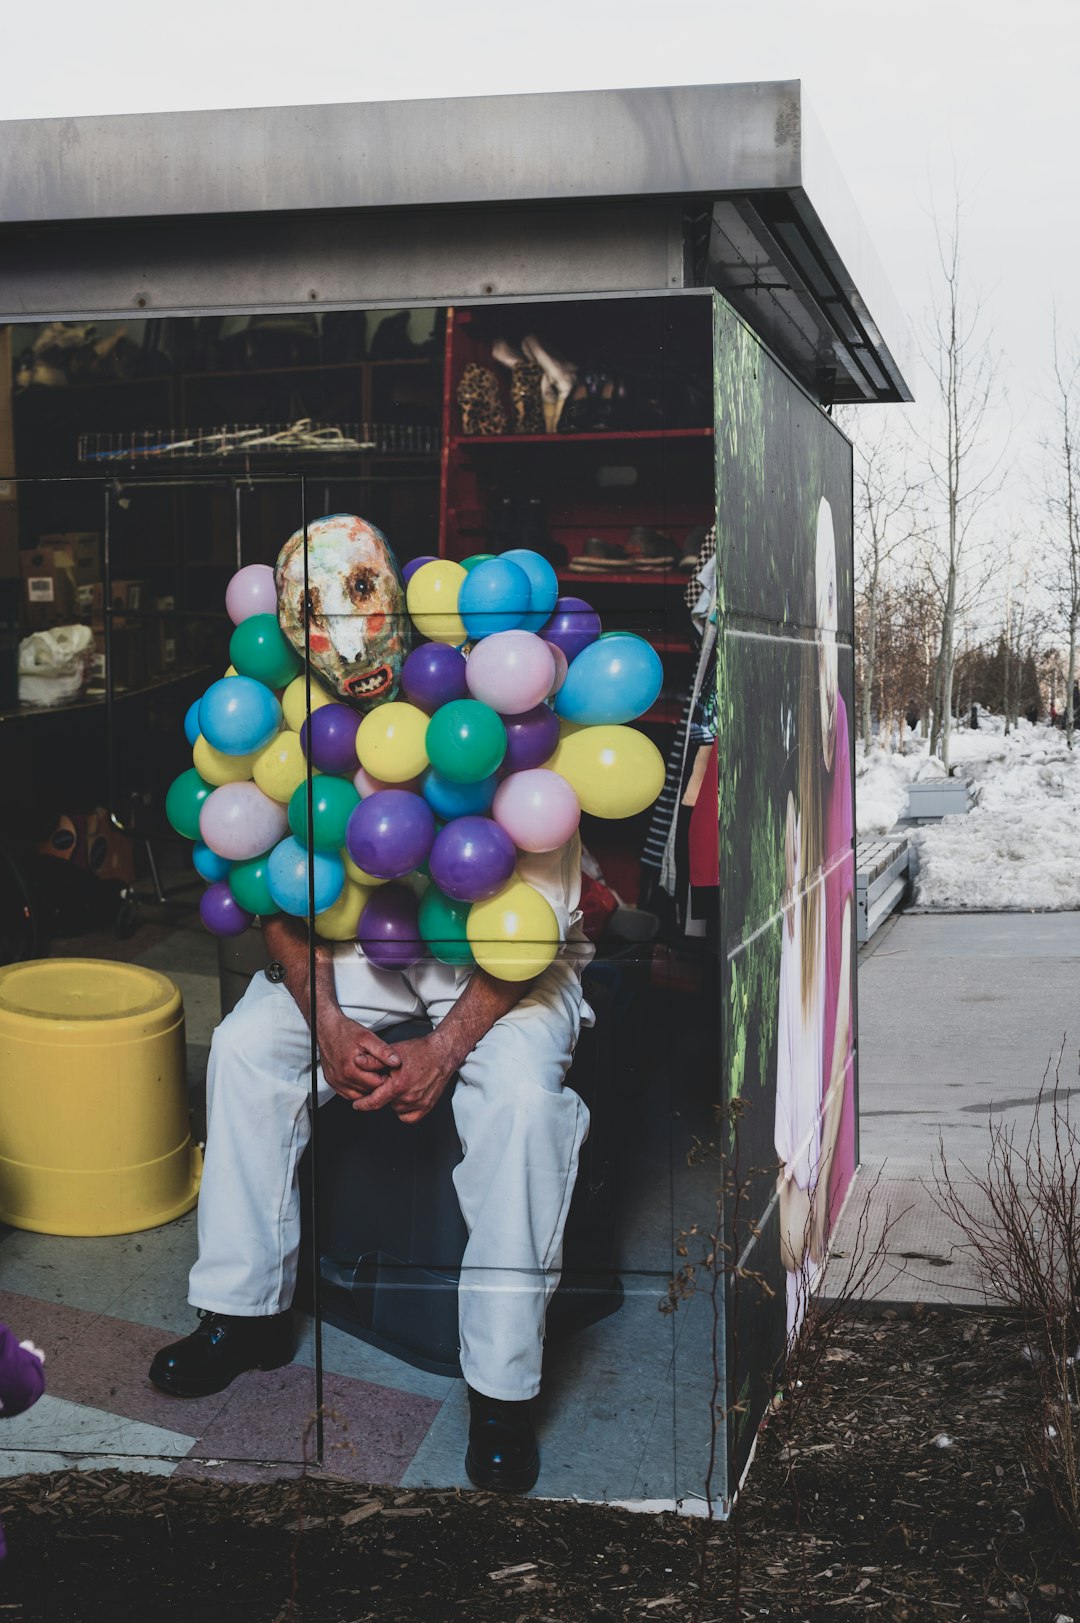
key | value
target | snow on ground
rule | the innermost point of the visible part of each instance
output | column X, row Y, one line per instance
column 1018, row 848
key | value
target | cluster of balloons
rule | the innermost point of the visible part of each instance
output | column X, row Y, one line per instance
column 511, row 721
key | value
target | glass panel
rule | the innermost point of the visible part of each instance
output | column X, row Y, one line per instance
column 787, row 860
column 110, row 986
column 578, row 433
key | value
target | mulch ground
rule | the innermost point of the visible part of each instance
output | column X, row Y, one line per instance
column 908, row 1461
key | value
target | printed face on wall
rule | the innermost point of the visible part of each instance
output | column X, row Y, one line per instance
column 359, row 632
column 828, row 659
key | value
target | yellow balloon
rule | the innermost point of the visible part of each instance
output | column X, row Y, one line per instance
column 360, row 876
column 390, row 741
column 432, row 599
column 514, row 935
column 294, row 701
column 280, row 767
column 232, row 671
column 218, row 768
column 340, row 922
column 614, row 771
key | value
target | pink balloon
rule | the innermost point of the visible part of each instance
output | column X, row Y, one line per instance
column 538, row 809
column 561, row 666
column 238, row 821
column 365, row 784
column 251, row 591
column 511, row 671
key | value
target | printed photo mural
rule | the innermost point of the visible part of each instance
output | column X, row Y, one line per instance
column 785, row 699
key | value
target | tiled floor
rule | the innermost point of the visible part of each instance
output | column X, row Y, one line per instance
column 624, row 1413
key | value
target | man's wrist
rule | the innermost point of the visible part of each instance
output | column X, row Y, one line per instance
column 446, row 1052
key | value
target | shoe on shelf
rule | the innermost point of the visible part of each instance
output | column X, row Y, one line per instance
column 223, row 1347
column 502, row 1445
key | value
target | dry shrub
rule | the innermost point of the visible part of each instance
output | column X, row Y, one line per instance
column 1028, row 1256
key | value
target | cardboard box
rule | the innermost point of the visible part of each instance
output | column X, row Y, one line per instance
column 89, row 840
column 161, row 638
column 129, row 658
column 91, row 601
column 127, row 598
column 52, row 574
column 9, row 541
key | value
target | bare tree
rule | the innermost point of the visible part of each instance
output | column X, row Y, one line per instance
column 887, row 519
column 1062, row 486
column 964, row 474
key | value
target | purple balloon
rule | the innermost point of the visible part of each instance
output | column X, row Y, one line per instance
column 390, row 929
column 574, row 624
column 333, row 738
column 221, row 912
column 433, row 674
column 390, row 833
column 472, row 858
column 409, row 569
column 531, row 739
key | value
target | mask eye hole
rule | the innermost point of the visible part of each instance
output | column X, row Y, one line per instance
column 359, row 584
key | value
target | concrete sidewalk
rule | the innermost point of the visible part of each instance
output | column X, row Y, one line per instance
column 960, row 1015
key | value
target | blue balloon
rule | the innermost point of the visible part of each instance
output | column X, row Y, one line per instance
column 449, row 800
column 543, row 586
column 494, row 597
column 191, row 723
column 287, row 876
column 238, row 715
column 208, row 864
column 613, row 680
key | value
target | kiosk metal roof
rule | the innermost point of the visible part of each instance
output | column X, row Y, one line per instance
column 496, row 197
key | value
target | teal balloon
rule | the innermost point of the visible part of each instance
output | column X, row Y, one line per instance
column 448, row 799
column 208, row 865
column 259, row 649
column 249, row 884
column 543, row 586
column 287, row 877
column 184, row 802
column 612, row 681
column 333, row 801
column 443, row 927
column 466, row 741
column 477, row 558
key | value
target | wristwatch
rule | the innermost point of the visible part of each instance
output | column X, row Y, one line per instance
column 275, row 972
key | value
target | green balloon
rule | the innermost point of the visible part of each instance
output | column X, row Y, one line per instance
column 466, row 741
column 259, row 649
column 477, row 558
column 333, row 801
column 442, row 927
column 184, row 802
column 247, row 881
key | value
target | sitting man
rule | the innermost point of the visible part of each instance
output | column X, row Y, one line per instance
column 509, row 1044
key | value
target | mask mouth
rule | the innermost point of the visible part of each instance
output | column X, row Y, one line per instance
column 370, row 684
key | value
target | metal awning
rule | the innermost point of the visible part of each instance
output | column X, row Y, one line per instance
column 497, row 197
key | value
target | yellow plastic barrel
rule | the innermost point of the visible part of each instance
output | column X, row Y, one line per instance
column 94, row 1135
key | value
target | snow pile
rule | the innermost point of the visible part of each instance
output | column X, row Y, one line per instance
column 1017, row 848
column 881, row 784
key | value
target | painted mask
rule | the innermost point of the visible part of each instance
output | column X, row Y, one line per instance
column 359, row 632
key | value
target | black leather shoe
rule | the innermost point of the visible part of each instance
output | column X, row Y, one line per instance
column 223, row 1347
column 502, row 1445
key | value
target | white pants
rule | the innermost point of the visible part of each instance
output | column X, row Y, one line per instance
column 520, row 1130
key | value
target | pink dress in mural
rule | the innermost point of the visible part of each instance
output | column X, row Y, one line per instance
column 839, row 890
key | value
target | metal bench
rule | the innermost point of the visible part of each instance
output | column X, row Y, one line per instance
column 881, row 878
column 939, row 797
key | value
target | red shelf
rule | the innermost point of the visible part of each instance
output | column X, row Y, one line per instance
column 613, row 437
column 665, row 712
column 626, row 577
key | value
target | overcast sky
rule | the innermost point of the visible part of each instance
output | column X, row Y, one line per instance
column 907, row 94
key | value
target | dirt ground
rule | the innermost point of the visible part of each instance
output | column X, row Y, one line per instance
column 908, row 1461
